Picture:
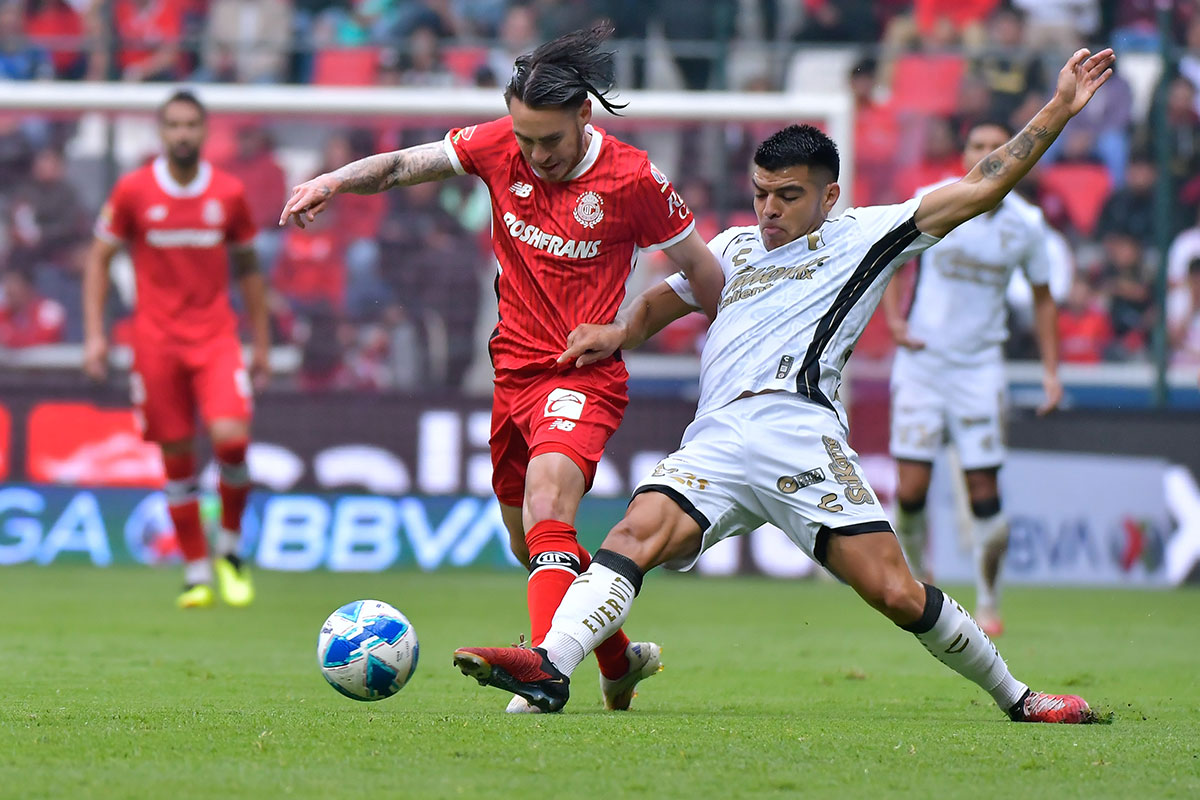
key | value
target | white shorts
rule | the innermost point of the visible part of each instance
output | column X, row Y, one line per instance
column 775, row 458
column 933, row 404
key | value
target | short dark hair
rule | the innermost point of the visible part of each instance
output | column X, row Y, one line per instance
column 798, row 145
column 564, row 71
column 183, row 96
column 993, row 122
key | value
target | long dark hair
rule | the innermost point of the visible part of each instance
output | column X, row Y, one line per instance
column 564, row 71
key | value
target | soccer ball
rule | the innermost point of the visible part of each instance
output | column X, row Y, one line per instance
column 367, row 650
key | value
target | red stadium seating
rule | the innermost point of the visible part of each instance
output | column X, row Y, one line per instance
column 927, row 83
column 1082, row 188
column 356, row 66
column 463, row 61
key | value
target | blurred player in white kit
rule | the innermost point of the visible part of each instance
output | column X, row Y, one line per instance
column 948, row 381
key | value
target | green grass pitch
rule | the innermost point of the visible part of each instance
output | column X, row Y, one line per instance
column 771, row 689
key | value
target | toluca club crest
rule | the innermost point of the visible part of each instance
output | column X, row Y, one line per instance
column 589, row 209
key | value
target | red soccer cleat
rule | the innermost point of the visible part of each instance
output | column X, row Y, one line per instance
column 1040, row 707
column 526, row 672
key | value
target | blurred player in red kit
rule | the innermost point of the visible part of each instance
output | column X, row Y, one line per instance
column 572, row 207
column 181, row 219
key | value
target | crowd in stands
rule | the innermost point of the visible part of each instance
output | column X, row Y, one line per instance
column 385, row 291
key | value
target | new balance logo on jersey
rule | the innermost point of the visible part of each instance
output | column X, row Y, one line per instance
column 843, row 473
column 521, row 189
column 557, row 246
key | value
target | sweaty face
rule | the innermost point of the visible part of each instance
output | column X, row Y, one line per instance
column 791, row 202
column 182, row 130
column 552, row 140
column 981, row 141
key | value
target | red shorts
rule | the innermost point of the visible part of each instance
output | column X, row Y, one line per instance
column 171, row 382
column 572, row 412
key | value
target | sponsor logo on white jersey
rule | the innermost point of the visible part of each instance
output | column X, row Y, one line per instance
column 557, row 246
column 589, row 209
column 156, row 212
column 565, row 404
column 521, row 189
column 185, row 237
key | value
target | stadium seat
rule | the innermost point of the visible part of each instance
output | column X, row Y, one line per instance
column 1082, row 188
column 927, row 83
column 355, row 66
column 463, row 61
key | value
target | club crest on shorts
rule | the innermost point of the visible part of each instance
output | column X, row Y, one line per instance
column 589, row 209
column 565, row 404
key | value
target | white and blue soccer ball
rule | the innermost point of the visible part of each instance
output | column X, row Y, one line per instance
column 367, row 650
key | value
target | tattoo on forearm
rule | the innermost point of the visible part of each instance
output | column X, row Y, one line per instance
column 992, row 166
column 1021, row 146
column 426, row 162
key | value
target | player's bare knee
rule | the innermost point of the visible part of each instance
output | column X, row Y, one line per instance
column 900, row 598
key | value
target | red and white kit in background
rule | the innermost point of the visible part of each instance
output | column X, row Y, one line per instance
column 187, row 356
column 565, row 250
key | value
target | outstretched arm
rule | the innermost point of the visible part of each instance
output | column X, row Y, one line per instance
column 944, row 209
column 646, row 315
column 377, row 173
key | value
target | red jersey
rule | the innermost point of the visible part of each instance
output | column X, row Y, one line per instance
column 565, row 248
column 177, row 237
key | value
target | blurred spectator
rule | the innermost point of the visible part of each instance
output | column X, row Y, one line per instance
column 974, row 106
column 1084, row 330
column 1189, row 62
column 148, row 34
column 1183, row 324
column 266, row 189
column 940, row 158
column 935, row 25
column 839, row 21
column 480, row 18
column 876, row 134
column 1135, row 26
column 1183, row 137
column 631, row 21
column 1010, row 72
column 27, row 318
column 47, row 221
column 355, row 223
column 322, row 355
column 355, row 23
column 556, row 17
column 1130, row 209
column 418, row 63
column 57, row 26
column 247, row 41
column 311, row 271
column 437, row 15
column 1184, row 250
column 1101, row 131
column 16, row 150
column 1131, row 300
column 20, row 58
column 686, row 23
column 1058, row 26
column 518, row 35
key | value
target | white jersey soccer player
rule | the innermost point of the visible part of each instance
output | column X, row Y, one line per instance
column 948, row 381
column 769, row 440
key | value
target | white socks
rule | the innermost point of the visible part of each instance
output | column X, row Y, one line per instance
column 951, row 635
column 912, row 531
column 592, row 610
column 198, row 571
column 228, row 543
column 991, row 543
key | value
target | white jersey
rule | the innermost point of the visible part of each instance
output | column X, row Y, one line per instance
column 958, row 310
column 789, row 317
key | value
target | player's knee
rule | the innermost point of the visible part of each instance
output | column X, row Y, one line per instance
column 899, row 598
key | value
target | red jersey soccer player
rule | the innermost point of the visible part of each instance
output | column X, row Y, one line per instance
column 178, row 215
column 571, row 208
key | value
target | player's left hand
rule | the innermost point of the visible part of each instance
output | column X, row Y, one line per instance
column 260, row 368
column 1082, row 75
column 590, row 343
column 308, row 199
column 1053, row 388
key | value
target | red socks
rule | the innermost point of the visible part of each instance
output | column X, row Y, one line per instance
column 184, row 505
column 556, row 559
column 234, row 482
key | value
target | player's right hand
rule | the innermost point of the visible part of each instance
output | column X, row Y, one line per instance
column 590, row 343
column 309, row 199
column 95, row 357
column 902, row 337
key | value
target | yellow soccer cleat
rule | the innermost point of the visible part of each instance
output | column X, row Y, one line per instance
column 198, row 595
column 233, row 579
